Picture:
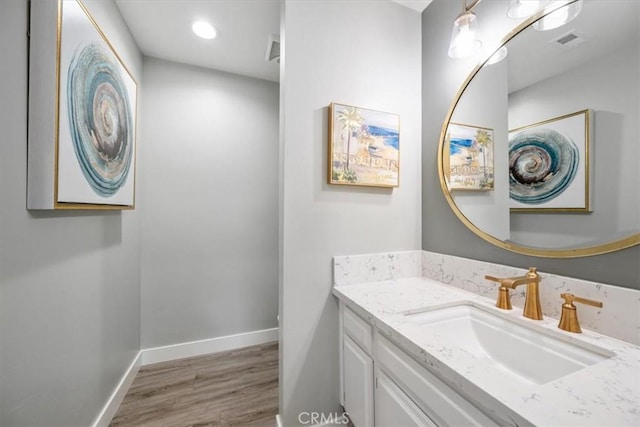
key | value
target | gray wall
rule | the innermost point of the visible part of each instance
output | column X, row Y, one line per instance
column 488, row 210
column 363, row 53
column 441, row 230
column 208, row 197
column 69, row 282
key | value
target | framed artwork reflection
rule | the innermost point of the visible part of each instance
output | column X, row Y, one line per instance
column 550, row 165
column 469, row 164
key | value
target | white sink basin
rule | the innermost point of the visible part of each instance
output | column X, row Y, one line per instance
column 528, row 355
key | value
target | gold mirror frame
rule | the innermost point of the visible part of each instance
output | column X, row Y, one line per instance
column 613, row 246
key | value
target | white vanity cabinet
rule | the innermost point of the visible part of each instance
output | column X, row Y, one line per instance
column 394, row 408
column 385, row 387
column 357, row 368
column 358, row 383
column 441, row 404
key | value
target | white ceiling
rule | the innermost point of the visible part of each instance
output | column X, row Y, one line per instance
column 162, row 29
column 418, row 5
column 604, row 25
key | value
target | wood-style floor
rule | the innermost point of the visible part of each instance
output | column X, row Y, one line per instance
column 232, row 388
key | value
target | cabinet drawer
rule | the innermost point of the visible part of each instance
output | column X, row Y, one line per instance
column 359, row 330
column 440, row 402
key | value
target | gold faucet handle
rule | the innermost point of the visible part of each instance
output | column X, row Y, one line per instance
column 504, row 281
column 569, row 299
column 569, row 317
column 493, row 279
column 504, row 299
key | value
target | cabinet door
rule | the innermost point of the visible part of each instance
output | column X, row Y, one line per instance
column 394, row 408
column 358, row 384
column 443, row 404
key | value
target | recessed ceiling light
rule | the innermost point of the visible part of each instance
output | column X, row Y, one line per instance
column 204, row 29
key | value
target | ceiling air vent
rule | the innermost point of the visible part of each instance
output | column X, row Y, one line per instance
column 273, row 49
column 568, row 40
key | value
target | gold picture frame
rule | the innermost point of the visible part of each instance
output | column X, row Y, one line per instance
column 82, row 127
column 550, row 165
column 364, row 147
column 468, row 157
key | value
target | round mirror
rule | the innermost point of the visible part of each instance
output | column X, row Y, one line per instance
column 539, row 153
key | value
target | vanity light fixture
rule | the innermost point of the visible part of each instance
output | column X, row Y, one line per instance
column 523, row 8
column 498, row 56
column 559, row 17
column 464, row 39
column 204, row 30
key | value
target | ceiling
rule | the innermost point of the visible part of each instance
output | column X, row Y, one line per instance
column 418, row 5
column 162, row 30
column 603, row 26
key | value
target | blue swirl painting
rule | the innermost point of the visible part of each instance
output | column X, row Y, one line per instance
column 542, row 165
column 100, row 119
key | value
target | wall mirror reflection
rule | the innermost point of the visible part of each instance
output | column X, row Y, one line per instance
column 590, row 65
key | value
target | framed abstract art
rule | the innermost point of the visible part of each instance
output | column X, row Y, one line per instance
column 82, row 111
column 550, row 165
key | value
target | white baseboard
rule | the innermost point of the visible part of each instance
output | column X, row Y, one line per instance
column 111, row 407
column 211, row 345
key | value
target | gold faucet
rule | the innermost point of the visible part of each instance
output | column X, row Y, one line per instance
column 569, row 317
column 532, row 308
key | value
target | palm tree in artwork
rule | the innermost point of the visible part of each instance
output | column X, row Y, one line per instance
column 484, row 140
column 351, row 121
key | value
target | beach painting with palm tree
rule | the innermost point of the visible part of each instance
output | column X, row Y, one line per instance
column 364, row 146
column 470, row 160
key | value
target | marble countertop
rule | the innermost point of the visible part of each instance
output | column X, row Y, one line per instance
column 606, row 393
